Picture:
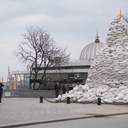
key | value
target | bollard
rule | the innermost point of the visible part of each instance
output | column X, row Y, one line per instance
column 41, row 99
column 68, row 100
column 99, row 101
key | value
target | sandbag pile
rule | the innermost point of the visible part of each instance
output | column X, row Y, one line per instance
column 108, row 75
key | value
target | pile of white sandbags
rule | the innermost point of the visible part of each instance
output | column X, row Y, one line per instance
column 108, row 75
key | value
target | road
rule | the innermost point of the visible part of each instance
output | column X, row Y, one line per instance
column 105, row 122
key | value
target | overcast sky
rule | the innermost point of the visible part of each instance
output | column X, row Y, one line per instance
column 72, row 23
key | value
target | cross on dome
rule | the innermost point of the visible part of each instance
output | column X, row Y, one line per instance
column 97, row 38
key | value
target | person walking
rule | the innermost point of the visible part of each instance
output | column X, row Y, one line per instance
column 64, row 89
column 56, row 89
column 1, row 91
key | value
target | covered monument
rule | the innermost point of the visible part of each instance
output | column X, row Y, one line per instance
column 108, row 75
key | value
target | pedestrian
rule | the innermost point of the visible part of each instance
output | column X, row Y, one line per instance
column 56, row 89
column 1, row 91
column 63, row 89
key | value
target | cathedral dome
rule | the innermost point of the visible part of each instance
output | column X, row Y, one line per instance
column 88, row 53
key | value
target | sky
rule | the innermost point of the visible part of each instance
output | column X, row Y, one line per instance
column 72, row 24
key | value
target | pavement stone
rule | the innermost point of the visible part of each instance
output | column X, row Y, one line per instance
column 28, row 110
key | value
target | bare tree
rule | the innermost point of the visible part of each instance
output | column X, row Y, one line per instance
column 39, row 50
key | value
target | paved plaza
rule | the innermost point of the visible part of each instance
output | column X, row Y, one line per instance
column 14, row 111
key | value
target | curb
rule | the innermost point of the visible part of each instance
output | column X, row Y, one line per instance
column 61, row 120
column 44, row 122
